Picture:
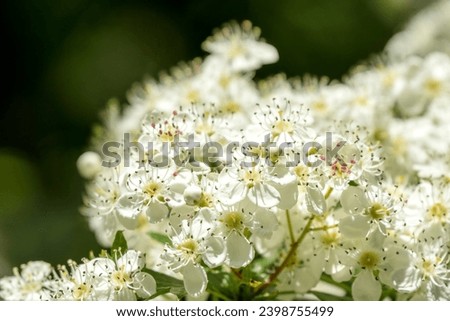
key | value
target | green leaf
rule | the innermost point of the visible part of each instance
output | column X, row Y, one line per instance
column 166, row 284
column 223, row 286
column 330, row 297
column 161, row 238
column 120, row 243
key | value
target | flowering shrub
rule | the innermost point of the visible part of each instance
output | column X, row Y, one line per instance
column 211, row 185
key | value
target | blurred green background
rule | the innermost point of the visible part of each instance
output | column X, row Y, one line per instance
column 65, row 59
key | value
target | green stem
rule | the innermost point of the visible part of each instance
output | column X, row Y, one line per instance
column 289, row 223
column 237, row 273
column 219, row 295
column 286, row 260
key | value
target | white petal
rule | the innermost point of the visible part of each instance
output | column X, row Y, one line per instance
column 365, row 287
column 315, row 201
column 407, row 279
column 129, row 205
column 215, row 253
column 175, row 194
column 240, row 251
column 398, row 258
column 354, row 226
column 157, row 211
column 232, row 193
column 124, row 294
column 341, row 274
column 132, row 261
column 288, row 195
column 101, row 266
column 194, row 278
column 200, row 228
column 144, row 284
column 353, row 200
column 264, row 222
column 264, row 195
column 305, row 279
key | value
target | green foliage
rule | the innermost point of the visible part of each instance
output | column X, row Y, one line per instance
column 120, row 243
column 166, row 284
column 161, row 238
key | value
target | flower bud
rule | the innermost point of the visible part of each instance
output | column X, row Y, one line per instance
column 89, row 164
column 192, row 194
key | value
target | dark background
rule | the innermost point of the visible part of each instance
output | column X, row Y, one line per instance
column 63, row 60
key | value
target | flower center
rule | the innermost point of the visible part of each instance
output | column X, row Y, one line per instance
column 340, row 169
column 330, row 238
column 236, row 49
column 361, row 101
column 252, row 177
column 438, row 211
column 319, row 105
column 428, row 267
column 205, row 200
column 81, row 292
column 378, row 211
column 205, row 128
column 369, row 259
column 433, row 86
column 169, row 133
column 233, row 220
column 282, row 126
column 120, row 278
column 230, row 107
column 301, row 171
column 193, row 96
column 152, row 189
column 190, row 246
column 31, row 287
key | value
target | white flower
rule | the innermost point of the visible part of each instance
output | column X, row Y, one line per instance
column 124, row 276
column 82, row 283
column 147, row 190
column 372, row 265
column 193, row 244
column 284, row 123
column 89, row 164
column 426, row 32
column 240, row 47
column 254, row 183
column 428, row 275
column 236, row 223
column 369, row 207
column 32, row 282
column 102, row 193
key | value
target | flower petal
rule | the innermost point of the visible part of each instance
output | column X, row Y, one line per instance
column 365, row 287
column 354, row 226
column 132, row 261
column 264, row 222
column 264, row 195
column 194, row 278
column 353, row 200
column 144, row 284
column 215, row 252
column 288, row 195
column 129, row 205
column 240, row 251
column 157, row 211
column 315, row 201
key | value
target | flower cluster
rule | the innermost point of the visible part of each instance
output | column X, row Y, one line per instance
column 290, row 187
column 103, row 278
